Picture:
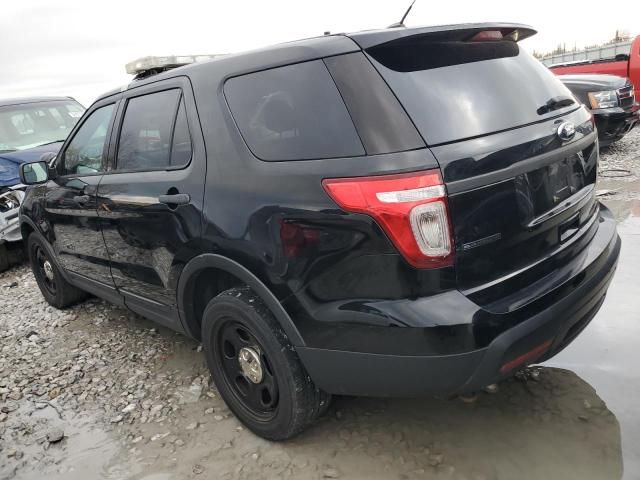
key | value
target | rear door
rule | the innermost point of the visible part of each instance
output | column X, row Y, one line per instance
column 150, row 200
column 71, row 204
column 517, row 152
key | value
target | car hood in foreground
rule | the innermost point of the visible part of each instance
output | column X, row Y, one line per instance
column 595, row 81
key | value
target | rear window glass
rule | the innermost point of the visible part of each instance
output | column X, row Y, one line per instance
column 456, row 90
column 292, row 113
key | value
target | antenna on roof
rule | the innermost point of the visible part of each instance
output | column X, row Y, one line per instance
column 401, row 22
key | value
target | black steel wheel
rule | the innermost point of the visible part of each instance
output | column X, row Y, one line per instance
column 255, row 367
column 247, row 370
column 55, row 289
column 45, row 269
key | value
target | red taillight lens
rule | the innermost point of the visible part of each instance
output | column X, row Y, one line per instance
column 410, row 207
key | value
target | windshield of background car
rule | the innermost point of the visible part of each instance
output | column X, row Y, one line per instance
column 32, row 124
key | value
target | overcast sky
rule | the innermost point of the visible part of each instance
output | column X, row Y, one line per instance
column 79, row 47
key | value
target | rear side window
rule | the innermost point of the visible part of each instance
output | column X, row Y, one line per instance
column 382, row 123
column 154, row 133
column 292, row 113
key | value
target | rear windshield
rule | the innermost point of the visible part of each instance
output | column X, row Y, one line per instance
column 457, row 90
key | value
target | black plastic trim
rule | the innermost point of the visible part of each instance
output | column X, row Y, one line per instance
column 211, row 260
column 158, row 312
column 99, row 289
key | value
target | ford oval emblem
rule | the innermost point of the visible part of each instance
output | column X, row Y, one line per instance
column 566, row 131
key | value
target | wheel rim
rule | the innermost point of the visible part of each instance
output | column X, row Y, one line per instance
column 45, row 270
column 247, row 370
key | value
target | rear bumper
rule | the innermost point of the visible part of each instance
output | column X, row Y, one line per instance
column 374, row 374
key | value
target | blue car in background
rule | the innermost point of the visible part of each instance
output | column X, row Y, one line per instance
column 29, row 128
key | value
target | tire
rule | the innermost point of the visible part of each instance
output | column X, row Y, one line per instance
column 4, row 257
column 284, row 400
column 55, row 289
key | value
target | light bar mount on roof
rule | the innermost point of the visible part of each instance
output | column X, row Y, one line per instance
column 146, row 66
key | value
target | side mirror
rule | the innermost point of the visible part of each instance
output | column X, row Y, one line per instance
column 34, row 173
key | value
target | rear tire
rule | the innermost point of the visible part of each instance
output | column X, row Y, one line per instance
column 255, row 367
column 55, row 289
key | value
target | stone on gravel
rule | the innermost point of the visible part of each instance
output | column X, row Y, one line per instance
column 330, row 473
column 9, row 407
column 55, row 434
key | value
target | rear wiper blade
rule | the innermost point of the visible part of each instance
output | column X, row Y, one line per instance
column 555, row 103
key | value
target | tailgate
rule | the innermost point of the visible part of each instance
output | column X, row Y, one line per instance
column 519, row 199
column 518, row 156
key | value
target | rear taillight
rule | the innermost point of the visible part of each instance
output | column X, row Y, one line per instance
column 410, row 207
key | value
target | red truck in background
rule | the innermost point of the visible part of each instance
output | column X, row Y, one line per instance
column 621, row 59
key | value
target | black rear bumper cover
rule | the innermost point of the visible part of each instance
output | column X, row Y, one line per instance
column 383, row 375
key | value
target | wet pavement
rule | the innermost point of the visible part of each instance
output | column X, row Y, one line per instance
column 97, row 392
column 607, row 354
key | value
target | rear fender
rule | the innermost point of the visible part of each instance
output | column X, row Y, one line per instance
column 210, row 260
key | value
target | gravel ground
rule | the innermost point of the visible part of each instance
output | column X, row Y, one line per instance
column 95, row 391
column 619, row 178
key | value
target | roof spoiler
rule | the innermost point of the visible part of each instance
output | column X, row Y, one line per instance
column 451, row 33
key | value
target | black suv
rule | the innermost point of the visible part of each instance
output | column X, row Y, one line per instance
column 387, row 213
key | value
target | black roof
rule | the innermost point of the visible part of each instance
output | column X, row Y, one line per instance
column 296, row 51
column 25, row 100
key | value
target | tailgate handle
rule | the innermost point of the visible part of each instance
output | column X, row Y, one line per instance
column 569, row 228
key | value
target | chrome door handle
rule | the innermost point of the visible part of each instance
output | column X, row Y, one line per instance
column 175, row 199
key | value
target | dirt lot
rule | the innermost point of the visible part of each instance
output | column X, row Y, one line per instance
column 98, row 392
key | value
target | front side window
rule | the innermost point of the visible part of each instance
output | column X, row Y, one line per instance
column 85, row 153
column 154, row 133
column 292, row 113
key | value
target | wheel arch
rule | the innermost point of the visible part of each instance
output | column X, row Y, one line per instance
column 26, row 227
column 197, row 272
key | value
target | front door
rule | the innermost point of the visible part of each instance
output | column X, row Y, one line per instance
column 151, row 199
column 71, row 207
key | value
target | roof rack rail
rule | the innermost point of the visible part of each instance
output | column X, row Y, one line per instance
column 147, row 66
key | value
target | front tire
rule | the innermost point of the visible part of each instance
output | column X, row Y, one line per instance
column 4, row 257
column 55, row 289
column 255, row 367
